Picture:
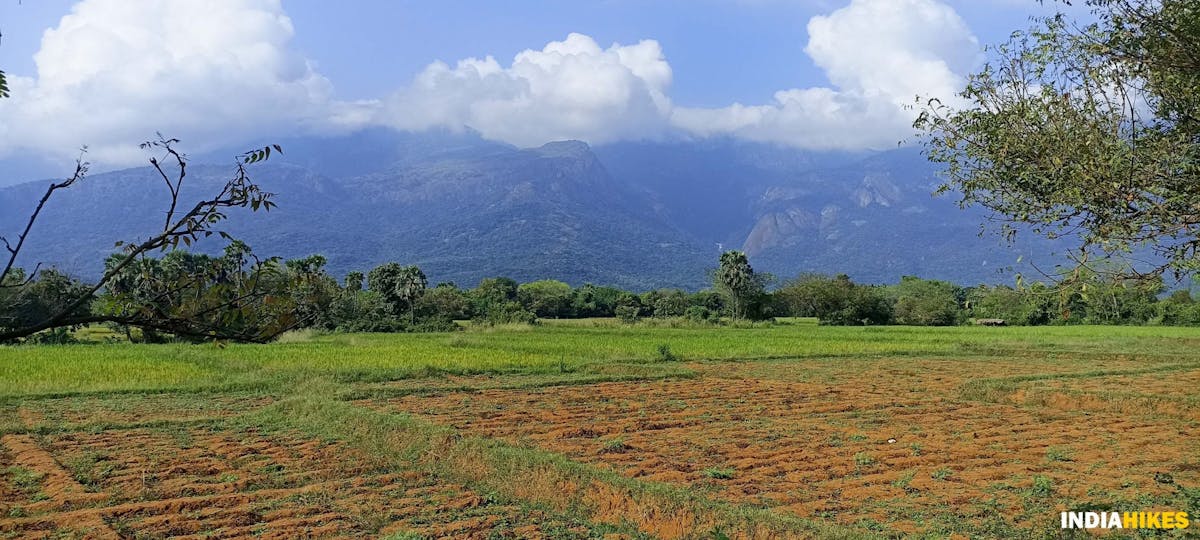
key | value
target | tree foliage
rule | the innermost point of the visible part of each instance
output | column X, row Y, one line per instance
column 834, row 300
column 399, row 286
column 1086, row 131
column 742, row 287
column 921, row 302
column 182, row 225
column 195, row 296
column 546, row 298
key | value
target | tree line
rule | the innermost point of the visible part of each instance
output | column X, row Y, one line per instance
column 1096, row 298
column 190, row 296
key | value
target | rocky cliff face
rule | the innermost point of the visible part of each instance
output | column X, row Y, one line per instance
column 639, row 215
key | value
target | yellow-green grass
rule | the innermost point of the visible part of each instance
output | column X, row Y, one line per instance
column 551, row 348
column 305, row 383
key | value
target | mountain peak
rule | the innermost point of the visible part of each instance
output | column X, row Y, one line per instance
column 571, row 148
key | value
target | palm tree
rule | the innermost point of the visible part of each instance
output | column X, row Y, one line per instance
column 735, row 278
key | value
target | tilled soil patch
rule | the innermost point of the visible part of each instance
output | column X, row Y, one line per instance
column 896, row 450
column 198, row 482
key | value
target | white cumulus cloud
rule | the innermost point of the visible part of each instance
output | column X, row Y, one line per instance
column 112, row 72
column 571, row 89
column 879, row 55
column 115, row 71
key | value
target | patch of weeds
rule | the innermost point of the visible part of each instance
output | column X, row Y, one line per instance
column 183, row 439
column 916, row 449
column 1057, row 453
column 665, row 354
column 905, row 479
column 123, row 527
column 404, row 536
column 91, row 469
column 273, row 468
column 321, row 500
column 615, row 446
column 372, row 521
column 675, row 405
column 942, row 473
column 717, row 534
column 835, row 441
column 26, row 480
column 826, row 515
column 858, row 437
column 870, row 525
column 719, row 473
column 1042, row 486
column 863, row 459
column 228, row 478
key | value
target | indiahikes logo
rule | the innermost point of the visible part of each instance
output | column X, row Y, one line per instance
column 1124, row 520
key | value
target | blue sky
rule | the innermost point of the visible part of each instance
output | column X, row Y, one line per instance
column 746, row 68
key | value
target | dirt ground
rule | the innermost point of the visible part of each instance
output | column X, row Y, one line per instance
column 199, row 483
column 892, row 445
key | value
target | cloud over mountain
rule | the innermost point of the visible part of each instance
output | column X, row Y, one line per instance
column 570, row 89
column 112, row 72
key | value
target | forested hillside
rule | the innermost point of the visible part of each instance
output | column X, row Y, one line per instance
column 635, row 215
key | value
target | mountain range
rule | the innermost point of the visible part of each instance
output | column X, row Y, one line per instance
column 638, row 215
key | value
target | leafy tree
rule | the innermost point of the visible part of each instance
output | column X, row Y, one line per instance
column 398, row 285
column 311, row 289
column 363, row 311
column 710, row 300
column 1180, row 309
column 865, row 305
column 593, row 301
column 547, row 298
column 493, row 291
column 198, row 297
column 354, row 281
column 411, row 287
column 665, row 303
column 494, row 301
column 701, row 314
column 444, row 302
column 28, row 301
column 922, row 302
column 629, row 308
column 736, row 280
column 1014, row 306
column 814, row 295
column 508, row 312
column 181, row 225
column 1113, row 300
column 1088, row 131
column 834, row 300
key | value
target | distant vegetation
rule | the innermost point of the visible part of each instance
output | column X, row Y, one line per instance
column 207, row 293
column 236, row 296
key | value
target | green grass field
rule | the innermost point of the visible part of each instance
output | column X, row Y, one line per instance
column 576, row 429
column 555, row 346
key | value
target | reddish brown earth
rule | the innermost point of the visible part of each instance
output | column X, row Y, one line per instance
column 1173, row 394
column 223, row 484
column 821, row 447
column 895, row 442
